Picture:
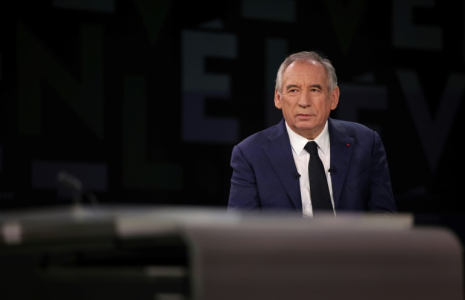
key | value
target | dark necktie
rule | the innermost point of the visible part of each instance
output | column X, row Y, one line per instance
column 319, row 191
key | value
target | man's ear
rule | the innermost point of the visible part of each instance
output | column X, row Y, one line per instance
column 335, row 98
column 277, row 99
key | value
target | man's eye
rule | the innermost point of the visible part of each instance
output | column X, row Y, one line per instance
column 293, row 91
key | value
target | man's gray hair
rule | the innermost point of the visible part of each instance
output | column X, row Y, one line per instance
column 307, row 56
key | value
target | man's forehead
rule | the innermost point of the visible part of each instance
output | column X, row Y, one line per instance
column 312, row 63
column 299, row 71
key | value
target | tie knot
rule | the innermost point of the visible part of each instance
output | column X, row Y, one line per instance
column 312, row 148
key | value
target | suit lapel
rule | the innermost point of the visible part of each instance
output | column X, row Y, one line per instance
column 279, row 153
column 342, row 147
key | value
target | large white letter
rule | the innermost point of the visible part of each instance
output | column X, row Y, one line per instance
column 198, row 85
column 36, row 64
column 408, row 35
column 433, row 130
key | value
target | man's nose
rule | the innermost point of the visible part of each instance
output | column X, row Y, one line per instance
column 305, row 98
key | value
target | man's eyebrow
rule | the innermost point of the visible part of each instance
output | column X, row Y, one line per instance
column 291, row 86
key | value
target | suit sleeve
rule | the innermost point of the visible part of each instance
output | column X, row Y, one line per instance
column 243, row 194
column 381, row 196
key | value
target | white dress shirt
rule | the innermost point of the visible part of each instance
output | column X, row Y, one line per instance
column 301, row 159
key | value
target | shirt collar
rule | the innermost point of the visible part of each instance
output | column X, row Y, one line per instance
column 298, row 142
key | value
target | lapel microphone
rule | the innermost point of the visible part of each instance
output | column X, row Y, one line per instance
column 296, row 175
column 332, row 169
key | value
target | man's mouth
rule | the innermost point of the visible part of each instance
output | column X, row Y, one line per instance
column 304, row 115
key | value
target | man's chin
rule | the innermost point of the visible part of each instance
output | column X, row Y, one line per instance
column 305, row 126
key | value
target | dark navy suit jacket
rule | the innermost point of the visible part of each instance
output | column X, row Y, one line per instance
column 264, row 171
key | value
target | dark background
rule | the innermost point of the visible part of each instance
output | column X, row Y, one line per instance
column 107, row 90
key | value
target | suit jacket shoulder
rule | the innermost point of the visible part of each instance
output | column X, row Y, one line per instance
column 264, row 172
column 262, row 138
column 350, row 128
column 361, row 179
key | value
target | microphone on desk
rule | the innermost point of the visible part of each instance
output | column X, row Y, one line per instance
column 77, row 187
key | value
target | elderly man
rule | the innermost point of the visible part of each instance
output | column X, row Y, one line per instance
column 310, row 163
